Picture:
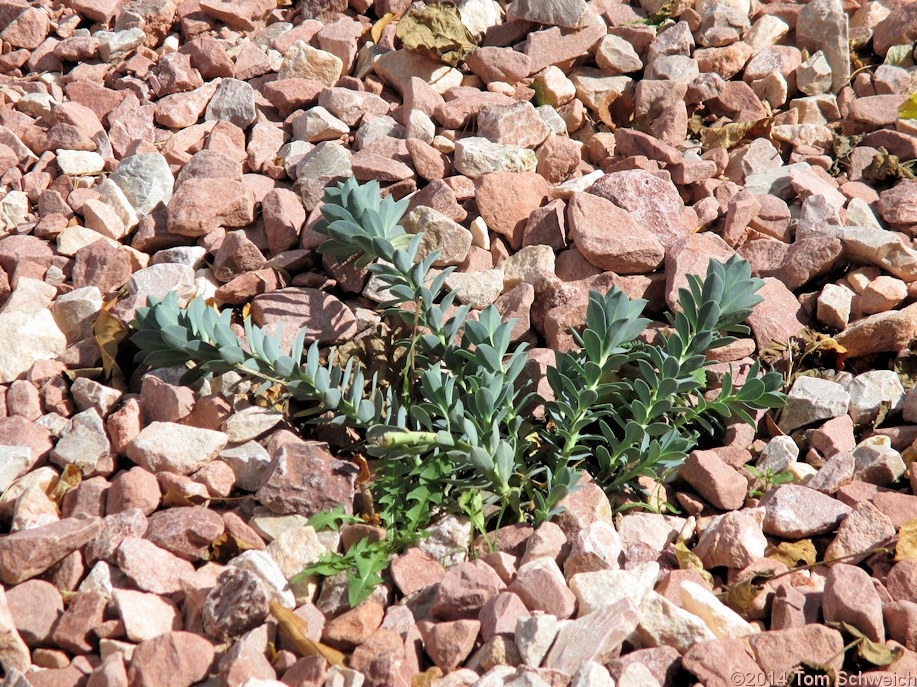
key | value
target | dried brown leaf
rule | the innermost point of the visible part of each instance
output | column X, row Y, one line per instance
column 296, row 630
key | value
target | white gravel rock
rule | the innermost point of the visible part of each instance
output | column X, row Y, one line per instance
column 662, row 623
column 722, row 620
column 145, row 180
column 871, row 390
column 171, row 447
column 15, row 461
column 76, row 311
column 778, row 454
column 250, row 423
column 534, row 636
column 250, row 463
column 595, row 590
column 476, row 156
column 263, row 565
column 14, row 207
column 75, row 162
column 812, row 399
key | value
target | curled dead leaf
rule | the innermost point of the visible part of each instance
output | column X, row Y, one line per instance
column 296, row 629
column 906, row 548
column 688, row 560
column 69, row 479
column 436, row 31
column 108, row 333
column 792, row 554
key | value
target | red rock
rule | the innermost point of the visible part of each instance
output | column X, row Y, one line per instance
column 499, row 64
column 115, row 528
column 306, row 479
column 101, row 264
column 721, row 485
column 449, row 643
column 284, row 217
column 558, row 157
column 553, row 46
column 541, row 586
column 243, row 662
column 427, row 160
column 414, row 570
column 850, row 597
column 237, row 603
column 151, row 568
column 466, row 104
column 17, row 431
column 875, row 111
column 500, row 614
column 901, row 582
column 515, row 124
column 200, row 205
column 900, row 618
column 716, row 663
column 547, row 226
column 74, row 629
column 324, row 317
column 783, row 650
column 175, row 659
column 897, row 204
column 186, row 532
column 609, row 237
column 885, row 332
column 27, row 553
column 134, row 488
column 36, row 607
column 506, row 199
column 236, row 255
column 653, row 203
column 833, row 437
column 163, row 402
column 352, row 628
column 778, row 317
column 465, row 589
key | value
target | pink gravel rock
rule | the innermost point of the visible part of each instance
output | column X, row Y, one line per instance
column 115, row 528
column 306, row 479
column 464, row 590
column 186, row 532
column 74, row 629
column 541, row 586
column 237, row 603
column 850, row 597
column 783, row 650
column 324, row 317
column 353, row 627
column 134, row 488
column 448, row 644
column 609, row 238
column 653, row 204
column 901, row 581
column 885, row 332
column 715, row 663
column 506, row 199
column 778, row 317
column 414, row 570
column 36, row 607
column 733, row 540
column 594, row 637
column 27, row 553
column 152, row 568
column 176, row 659
column 713, row 479
column 794, row 512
